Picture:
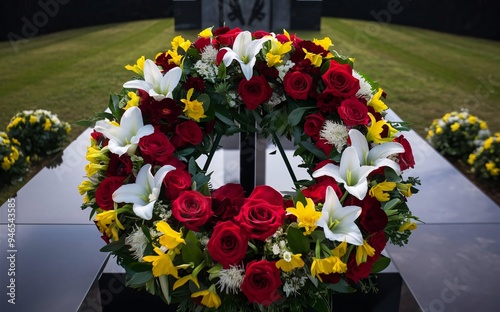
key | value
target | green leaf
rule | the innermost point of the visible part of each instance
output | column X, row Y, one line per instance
column 114, row 246
column 381, row 264
column 140, row 278
column 313, row 149
column 191, row 251
column 297, row 241
column 295, row 116
column 341, row 287
column 320, row 305
column 391, row 204
column 185, row 152
column 192, row 166
column 223, row 115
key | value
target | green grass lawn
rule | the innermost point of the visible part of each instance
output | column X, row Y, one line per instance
column 426, row 74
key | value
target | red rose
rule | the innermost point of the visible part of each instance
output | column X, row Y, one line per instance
column 105, row 190
column 261, row 282
column 175, row 182
column 228, row 244
column 119, row 165
column 255, row 91
column 187, row 132
column 192, row 209
column 317, row 192
column 260, row 219
column 297, row 85
column 406, row 159
column 373, row 217
column 313, row 125
column 227, row 200
column 201, row 43
column 267, row 193
column 338, row 79
column 227, row 38
column 353, row 112
column 324, row 146
column 356, row 273
column 156, row 148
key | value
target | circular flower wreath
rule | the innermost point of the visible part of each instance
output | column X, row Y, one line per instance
column 205, row 248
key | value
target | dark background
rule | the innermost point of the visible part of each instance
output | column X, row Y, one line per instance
column 477, row 18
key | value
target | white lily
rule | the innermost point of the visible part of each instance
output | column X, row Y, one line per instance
column 123, row 138
column 244, row 51
column 144, row 192
column 377, row 156
column 350, row 173
column 158, row 86
column 338, row 222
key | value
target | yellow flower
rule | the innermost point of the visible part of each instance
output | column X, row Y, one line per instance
column 472, row 119
column 206, row 33
column 340, row 250
column 92, row 169
column 86, row 186
column 170, row 237
column 407, row 226
column 430, row 134
column 210, row 298
column 274, row 55
column 47, row 125
column 363, row 251
column 471, row 159
column 137, row 68
column 180, row 42
column 15, row 122
column 404, row 188
column 175, row 57
column 455, row 126
column 315, row 59
column 379, row 191
column 96, row 155
column 321, row 266
column 377, row 104
column 337, row 265
column 289, row 262
column 487, row 143
column 183, row 280
column 446, row 116
column 107, row 222
column 162, row 264
column 376, row 128
column 483, row 125
column 325, row 43
column 439, row 130
column 134, row 100
column 194, row 109
column 6, row 163
column 492, row 169
column 33, row 119
column 306, row 216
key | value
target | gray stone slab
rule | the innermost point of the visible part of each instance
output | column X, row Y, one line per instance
column 54, row 266
column 452, row 267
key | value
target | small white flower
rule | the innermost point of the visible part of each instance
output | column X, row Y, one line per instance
column 137, row 242
column 276, row 249
column 365, row 89
column 230, row 279
column 335, row 134
column 283, row 69
column 209, row 54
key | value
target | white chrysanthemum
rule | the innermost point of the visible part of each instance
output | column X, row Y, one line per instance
column 137, row 242
column 230, row 279
column 206, row 70
column 209, row 54
column 283, row 69
column 335, row 134
column 365, row 89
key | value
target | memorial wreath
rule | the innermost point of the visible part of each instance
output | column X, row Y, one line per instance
column 203, row 248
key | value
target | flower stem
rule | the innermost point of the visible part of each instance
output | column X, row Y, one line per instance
column 285, row 159
column 212, row 152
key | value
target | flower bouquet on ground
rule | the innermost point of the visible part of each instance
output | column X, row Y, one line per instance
column 14, row 165
column 207, row 248
column 485, row 160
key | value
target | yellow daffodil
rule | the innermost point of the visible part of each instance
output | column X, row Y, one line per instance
column 377, row 104
column 321, row 266
column 315, row 59
column 108, row 223
column 86, row 186
column 210, row 297
column 138, row 67
column 193, row 109
column 191, row 277
column 338, row 266
column 363, row 251
column 275, row 54
column 162, row 263
column 206, row 33
column 289, row 262
column 92, row 169
column 325, row 43
column 134, row 100
column 170, row 237
column 404, row 188
column 180, row 42
column 96, row 155
column 175, row 57
column 407, row 226
column 306, row 216
column 375, row 130
column 379, row 190
column 340, row 250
